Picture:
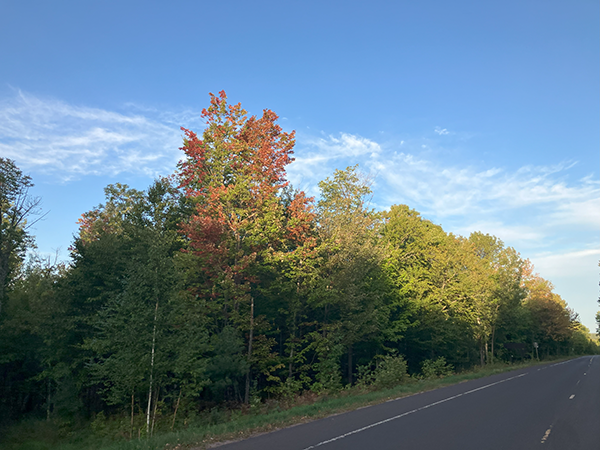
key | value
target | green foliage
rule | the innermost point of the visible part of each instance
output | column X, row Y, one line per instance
column 288, row 389
column 436, row 368
column 228, row 365
column 16, row 210
column 328, row 350
column 388, row 371
column 181, row 304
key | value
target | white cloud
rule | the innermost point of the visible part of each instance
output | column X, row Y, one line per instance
column 450, row 191
column 345, row 145
column 524, row 205
column 457, row 190
column 518, row 235
column 572, row 263
column 583, row 210
column 316, row 158
column 533, row 208
column 575, row 278
column 51, row 136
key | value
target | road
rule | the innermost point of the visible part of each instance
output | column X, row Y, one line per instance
column 555, row 406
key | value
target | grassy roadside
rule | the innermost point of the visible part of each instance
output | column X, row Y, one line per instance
column 259, row 420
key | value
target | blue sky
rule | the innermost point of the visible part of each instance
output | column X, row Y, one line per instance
column 482, row 116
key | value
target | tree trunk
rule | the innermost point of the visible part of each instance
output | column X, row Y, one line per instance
column 481, row 353
column 5, row 251
column 176, row 408
column 151, row 370
column 292, row 340
column 487, row 353
column 290, row 366
column 132, row 404
column 48, row 402
column 250, row 338
column 492, row 343
column 350, row 365
column 154, row 412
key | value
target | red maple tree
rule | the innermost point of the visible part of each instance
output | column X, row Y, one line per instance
column 235, row 175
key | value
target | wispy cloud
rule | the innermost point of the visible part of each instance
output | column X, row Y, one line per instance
column 448, row 190
column 574, row 275
column 537, row 209
column 52, row 136
column 528, row 204
column 531, row 206
column 540, row 210
column 317, row 157
column 567, row 264
column 519, row 234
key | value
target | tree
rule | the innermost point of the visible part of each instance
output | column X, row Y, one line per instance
column 16, row 208
column 34, row 339
column 234, row 176
column 129, row 341
column 437, row 278
column 353, row 289
column 550, row 318
column 504, row 269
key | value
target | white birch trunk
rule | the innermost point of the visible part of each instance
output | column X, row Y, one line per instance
column 151, row 370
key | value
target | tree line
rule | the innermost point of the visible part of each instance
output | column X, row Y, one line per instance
column 222, row 285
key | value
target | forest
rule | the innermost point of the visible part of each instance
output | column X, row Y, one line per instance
column 222, row 286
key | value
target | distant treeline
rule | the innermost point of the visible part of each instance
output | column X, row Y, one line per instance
column 222, row 285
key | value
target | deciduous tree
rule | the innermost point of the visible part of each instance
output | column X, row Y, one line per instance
column 234, row 175
column 17, row 208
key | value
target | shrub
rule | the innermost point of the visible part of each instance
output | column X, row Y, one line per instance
column 436, row 368
column 389, row 371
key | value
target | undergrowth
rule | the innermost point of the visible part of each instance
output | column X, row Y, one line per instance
column 218, row 425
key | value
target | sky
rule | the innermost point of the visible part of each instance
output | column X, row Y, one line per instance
column 482, row 116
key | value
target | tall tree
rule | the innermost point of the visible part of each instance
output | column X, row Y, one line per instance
column 550, row 318
column 505, row 293
column 437, row 279
column 127, row 339
column 17, row 208
column 34, row 340
column 354, row 288
column 234, row 175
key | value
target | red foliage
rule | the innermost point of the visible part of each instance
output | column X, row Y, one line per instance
column 234, row 174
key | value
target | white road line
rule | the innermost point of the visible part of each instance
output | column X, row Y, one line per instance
column 381, row 422
column 572, row 397
column 564, row 362
column 546, row 435
column 579, row 381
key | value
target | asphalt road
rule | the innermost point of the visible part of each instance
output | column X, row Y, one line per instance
column 555, row 406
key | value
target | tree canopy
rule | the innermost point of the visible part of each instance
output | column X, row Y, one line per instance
column 222, row 286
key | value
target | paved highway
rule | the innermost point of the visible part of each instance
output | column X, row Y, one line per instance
column 555, row 406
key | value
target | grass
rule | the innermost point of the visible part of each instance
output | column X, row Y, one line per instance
column 41, row 435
